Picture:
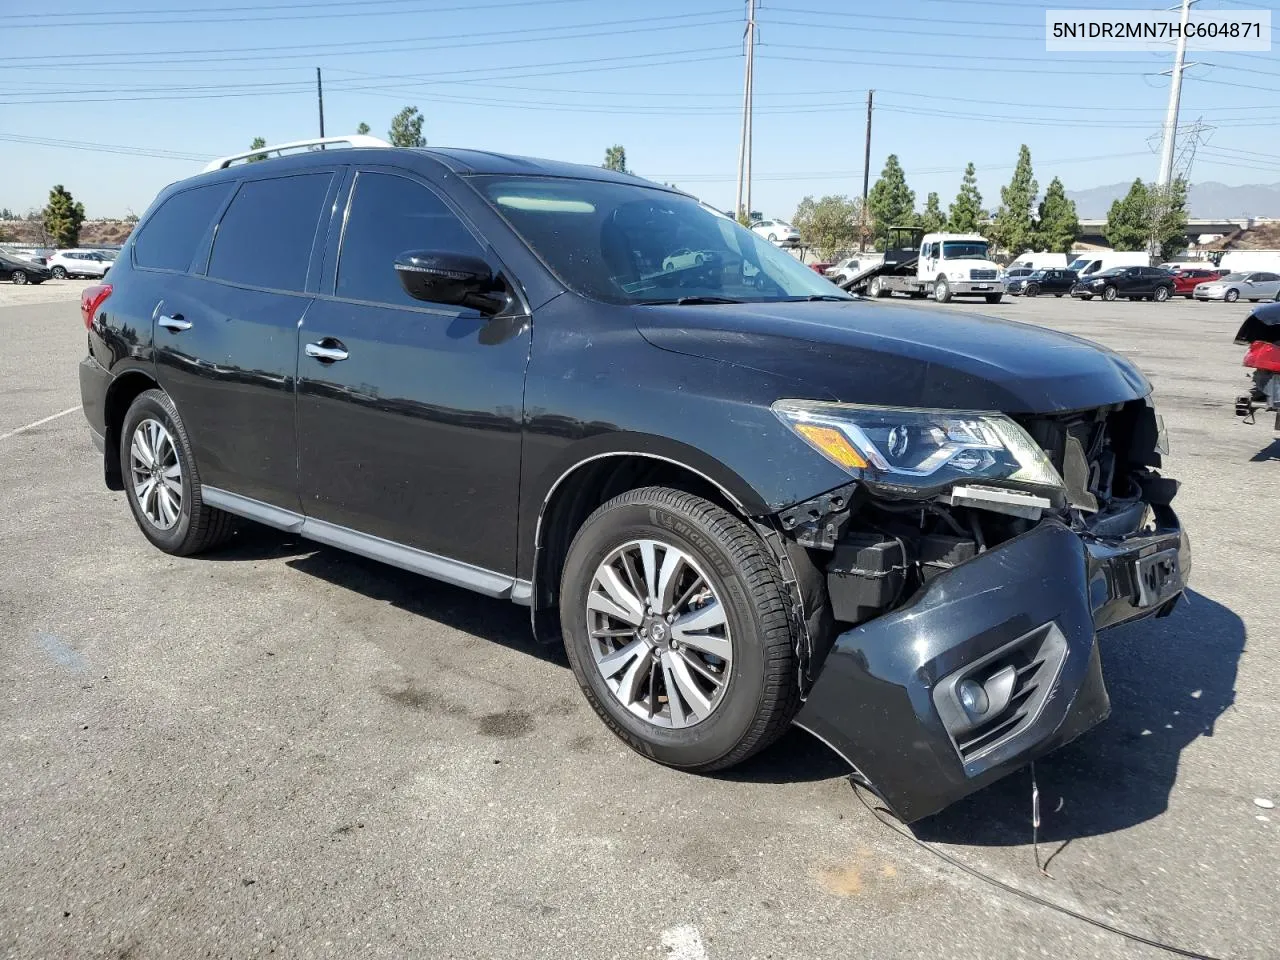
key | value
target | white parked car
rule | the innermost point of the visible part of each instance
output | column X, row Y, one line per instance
column 685, row 258
column 850, row 267
column 79, row 263
column 776, row 231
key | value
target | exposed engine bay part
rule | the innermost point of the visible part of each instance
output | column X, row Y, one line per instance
column 1016, row 503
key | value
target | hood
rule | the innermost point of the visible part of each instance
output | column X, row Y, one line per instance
column 864, row 352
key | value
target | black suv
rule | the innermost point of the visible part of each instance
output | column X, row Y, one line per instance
column 1135, row 283
column 739, row 497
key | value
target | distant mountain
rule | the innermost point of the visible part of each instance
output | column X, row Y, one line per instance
column 1207, row 200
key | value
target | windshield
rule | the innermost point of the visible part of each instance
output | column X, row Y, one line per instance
column 1112, row 272
column 626, row 244
column 1078, row 265
column 964, row 250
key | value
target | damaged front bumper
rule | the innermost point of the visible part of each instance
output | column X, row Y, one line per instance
column 1013, row 629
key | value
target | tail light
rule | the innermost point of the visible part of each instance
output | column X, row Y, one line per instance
column 91, row 298
column 1263, row 356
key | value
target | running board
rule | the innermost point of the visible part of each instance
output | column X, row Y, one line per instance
column 432, row 565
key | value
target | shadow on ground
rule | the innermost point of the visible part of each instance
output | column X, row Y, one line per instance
column 1169, row 682
column 1267, row 454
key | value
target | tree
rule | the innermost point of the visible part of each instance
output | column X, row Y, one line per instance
column 63, row 217
column 1058, row 224
column 1129, row 219
column 891, row 203
column 1169, row 218
column 1012, row 227
column 406, row 129
column 7, row 214
column 966, row 213
column 829, row 225
column 258, row 144
column 615, row 158
column 933, row 220
column 363, row 129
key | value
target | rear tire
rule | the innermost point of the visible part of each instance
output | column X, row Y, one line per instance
column 757, row 694
column 1161, row 294
column 159, row 469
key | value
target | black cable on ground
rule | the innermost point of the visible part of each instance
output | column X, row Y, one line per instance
column 883, row 814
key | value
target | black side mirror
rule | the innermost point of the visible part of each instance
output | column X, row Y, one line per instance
column 443, row 277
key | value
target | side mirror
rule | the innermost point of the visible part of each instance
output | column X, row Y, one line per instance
column 442, row 277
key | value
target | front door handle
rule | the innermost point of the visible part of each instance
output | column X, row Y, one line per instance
column 175, row 323
column 327, row 350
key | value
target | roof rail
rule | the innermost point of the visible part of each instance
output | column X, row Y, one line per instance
column 355, row 140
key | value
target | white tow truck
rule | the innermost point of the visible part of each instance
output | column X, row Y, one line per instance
column 940, row 265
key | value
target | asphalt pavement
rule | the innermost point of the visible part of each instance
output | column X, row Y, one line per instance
column 281, row 749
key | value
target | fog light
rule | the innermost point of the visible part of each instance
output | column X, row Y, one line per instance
column 972, row 697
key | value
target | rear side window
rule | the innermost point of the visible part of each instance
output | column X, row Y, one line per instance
column 266, row 235
column 391, row 215
column 171, row 235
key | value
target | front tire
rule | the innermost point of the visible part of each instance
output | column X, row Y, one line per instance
column 59, row 273
column 1110, row 293
column 1231, row 296
column 1032, row 290
column 994, row 297
column 19, row 277
column 942, row 291
column 677, row 630
column 161, row 480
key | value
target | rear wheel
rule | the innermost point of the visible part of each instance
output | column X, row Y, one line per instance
column 676, row 628
column 59, row 273
column 1161, row 294
column 161, row 480
column 876, row 288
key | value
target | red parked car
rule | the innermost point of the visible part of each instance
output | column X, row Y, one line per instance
column 1184, row 281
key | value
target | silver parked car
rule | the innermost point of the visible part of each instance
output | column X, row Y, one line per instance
column 1255, row 286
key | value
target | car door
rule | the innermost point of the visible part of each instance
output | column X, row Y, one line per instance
column 226, row 335
column 1266, row 286
column 409, row 413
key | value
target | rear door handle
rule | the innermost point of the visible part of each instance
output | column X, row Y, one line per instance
column 327, row 350
column 175, row 323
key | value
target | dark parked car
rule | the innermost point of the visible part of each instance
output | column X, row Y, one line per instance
column 17, row 270
column 740, row 498
column 1134, row 283
column 1186, row 281
column 1056, row 282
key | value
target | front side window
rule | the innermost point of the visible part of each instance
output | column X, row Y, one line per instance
column 266, row 235
column 169, row 237
column 388, row 216
column 630, row 244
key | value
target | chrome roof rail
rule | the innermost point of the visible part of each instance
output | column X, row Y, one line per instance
column 354, row 140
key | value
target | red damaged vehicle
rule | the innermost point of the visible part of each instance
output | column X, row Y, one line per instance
column 1185, row 281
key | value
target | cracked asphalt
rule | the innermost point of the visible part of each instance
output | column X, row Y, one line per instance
column 281, row 749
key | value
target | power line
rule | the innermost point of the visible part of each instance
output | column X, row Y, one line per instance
column 310, row 49
column 39, row 22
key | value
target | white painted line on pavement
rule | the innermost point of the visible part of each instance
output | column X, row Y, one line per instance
column 32, row 426
column 684, row 943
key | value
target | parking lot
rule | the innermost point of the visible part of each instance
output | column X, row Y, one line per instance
column 279, row 748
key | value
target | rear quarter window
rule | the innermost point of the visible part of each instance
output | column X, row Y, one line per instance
column 170, row 237
column 266, row 235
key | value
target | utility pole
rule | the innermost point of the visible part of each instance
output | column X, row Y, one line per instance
column 320, row 100
column 1164, row 179
column 866, row 172
column 1175, row 97
column 743, row 207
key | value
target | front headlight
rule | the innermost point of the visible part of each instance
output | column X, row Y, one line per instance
column 955, row 274
column 919, row 452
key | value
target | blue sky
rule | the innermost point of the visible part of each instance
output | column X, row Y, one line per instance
column 955, row 80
